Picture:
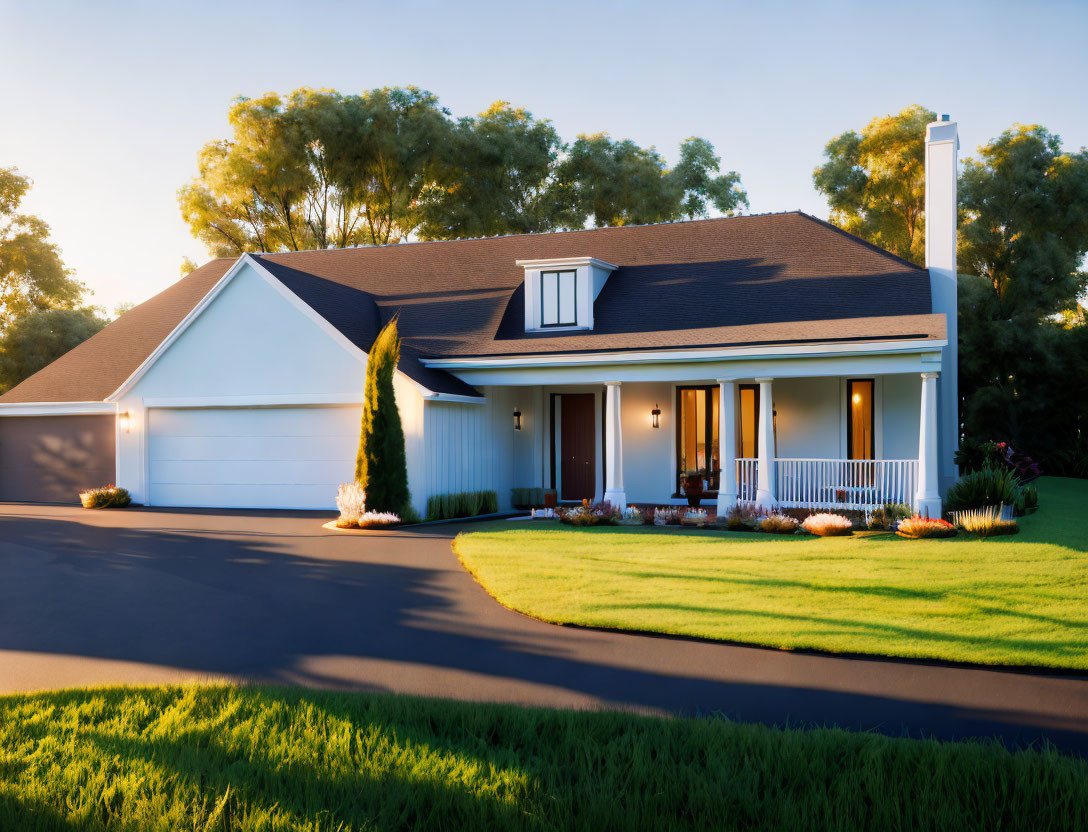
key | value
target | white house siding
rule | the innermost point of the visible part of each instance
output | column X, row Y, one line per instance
column 253, row 347
column 809, row 417
column 902, row 415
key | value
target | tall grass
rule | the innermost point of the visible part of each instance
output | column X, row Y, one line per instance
column 461, row 504
column 225, row 758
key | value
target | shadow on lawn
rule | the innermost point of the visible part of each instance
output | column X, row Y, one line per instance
column 259, row 605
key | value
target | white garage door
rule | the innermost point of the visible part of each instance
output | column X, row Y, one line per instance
column 274, row 457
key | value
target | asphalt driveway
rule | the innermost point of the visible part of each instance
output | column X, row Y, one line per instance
column 150, row 595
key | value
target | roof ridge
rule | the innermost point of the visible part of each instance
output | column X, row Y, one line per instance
column 532, row 234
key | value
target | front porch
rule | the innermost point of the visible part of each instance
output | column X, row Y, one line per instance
column 820, row 442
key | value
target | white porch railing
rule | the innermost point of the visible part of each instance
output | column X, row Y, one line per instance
column 834, row 483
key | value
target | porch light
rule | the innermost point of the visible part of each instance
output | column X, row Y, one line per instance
column 857, row 398
column 774, row 420
column 125, row 421
column 656, row 414
column 517, row 419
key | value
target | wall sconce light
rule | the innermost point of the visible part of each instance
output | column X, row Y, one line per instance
column 517, row 419
column 656, row 413
column 774, row 420
column 125, row 421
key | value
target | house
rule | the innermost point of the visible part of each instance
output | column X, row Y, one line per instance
column 784, row 360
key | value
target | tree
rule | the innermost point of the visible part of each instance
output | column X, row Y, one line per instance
column 318, row 170
column 381, row 466
column 1024, row 223
column 614, row 183
column 875, row 182
column 188, row 266
column 40, row 337
column 495, row 177
column 699, row 188
column 1024, row 234
column 32, row 274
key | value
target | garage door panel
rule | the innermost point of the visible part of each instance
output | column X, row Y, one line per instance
column 53, row 458
column 263, row 421
column 321, row 448
column 251, row 458
column 245, row 496
column 242, row 472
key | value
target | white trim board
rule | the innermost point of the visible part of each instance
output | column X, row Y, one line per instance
column 685, row 355
column 58, row 408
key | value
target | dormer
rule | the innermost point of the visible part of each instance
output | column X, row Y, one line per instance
column 560, row 292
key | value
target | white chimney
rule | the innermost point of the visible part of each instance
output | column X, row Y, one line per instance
column 942, row 152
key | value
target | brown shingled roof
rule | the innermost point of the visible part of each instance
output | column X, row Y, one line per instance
column 773, row 278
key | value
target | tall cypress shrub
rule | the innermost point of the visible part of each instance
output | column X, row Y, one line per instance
column 381, row 466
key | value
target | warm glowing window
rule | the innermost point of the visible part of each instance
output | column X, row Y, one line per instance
column 558, row 298
column 697, row 434
column 748, row 421
column 859, row 403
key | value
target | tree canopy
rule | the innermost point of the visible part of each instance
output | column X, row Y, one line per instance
column 1023, row 236
column 41, row 337
column 874, row 181
column 319, row 169
column 32, row 275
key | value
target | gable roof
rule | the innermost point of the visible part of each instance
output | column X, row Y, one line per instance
column 771, row 278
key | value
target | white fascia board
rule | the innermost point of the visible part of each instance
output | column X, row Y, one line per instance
column 454, row 397
column 206, row 301
column 565, row 262
column 685, row 355
column 57, row 408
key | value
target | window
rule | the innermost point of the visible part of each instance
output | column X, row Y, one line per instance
column 559, row 298
column 748, row 423
column 697, row 434
column 859, row 425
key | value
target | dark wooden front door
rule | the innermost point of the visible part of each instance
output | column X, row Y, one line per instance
column 577, row 447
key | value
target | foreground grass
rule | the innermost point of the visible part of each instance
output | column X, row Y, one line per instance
column 1020, row 600
column 225, row 758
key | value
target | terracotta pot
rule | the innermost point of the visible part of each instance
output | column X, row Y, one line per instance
column 693, row 490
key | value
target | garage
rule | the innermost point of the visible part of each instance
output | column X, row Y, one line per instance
column 252, row 457
column 50, row 459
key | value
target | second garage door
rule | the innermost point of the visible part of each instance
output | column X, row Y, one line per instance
column 275, row 457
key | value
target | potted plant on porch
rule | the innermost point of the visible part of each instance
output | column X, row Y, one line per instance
column 694, row 486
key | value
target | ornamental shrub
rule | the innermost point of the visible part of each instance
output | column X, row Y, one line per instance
column 985, row 522
column 461, row 504
column 827, row 525
column 381, row 467
column 989, row 486
column 918, row 527
column 778, row 524
column 107, row 496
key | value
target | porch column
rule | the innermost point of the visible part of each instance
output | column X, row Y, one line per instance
column 765, row 486
column 727, row 446
column 928, row 499
column 613, row 446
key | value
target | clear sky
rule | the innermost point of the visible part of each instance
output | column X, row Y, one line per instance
column 105, row 104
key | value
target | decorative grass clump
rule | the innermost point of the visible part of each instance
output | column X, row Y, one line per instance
column 921, row 527
column 985, row 522
column 827, row 525
column 249, row 758
column 108, row 496
column 461, row 504
column 778, row 524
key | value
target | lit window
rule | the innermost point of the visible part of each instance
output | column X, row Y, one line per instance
column 558, row 298
column 859, row 427
column 697, row 434
column 749, row 421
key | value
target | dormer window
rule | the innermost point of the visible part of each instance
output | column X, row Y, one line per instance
column 560, row 293
column 559, row 298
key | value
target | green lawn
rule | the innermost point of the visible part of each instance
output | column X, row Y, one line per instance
column 1020, row 600
column 225, row 758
